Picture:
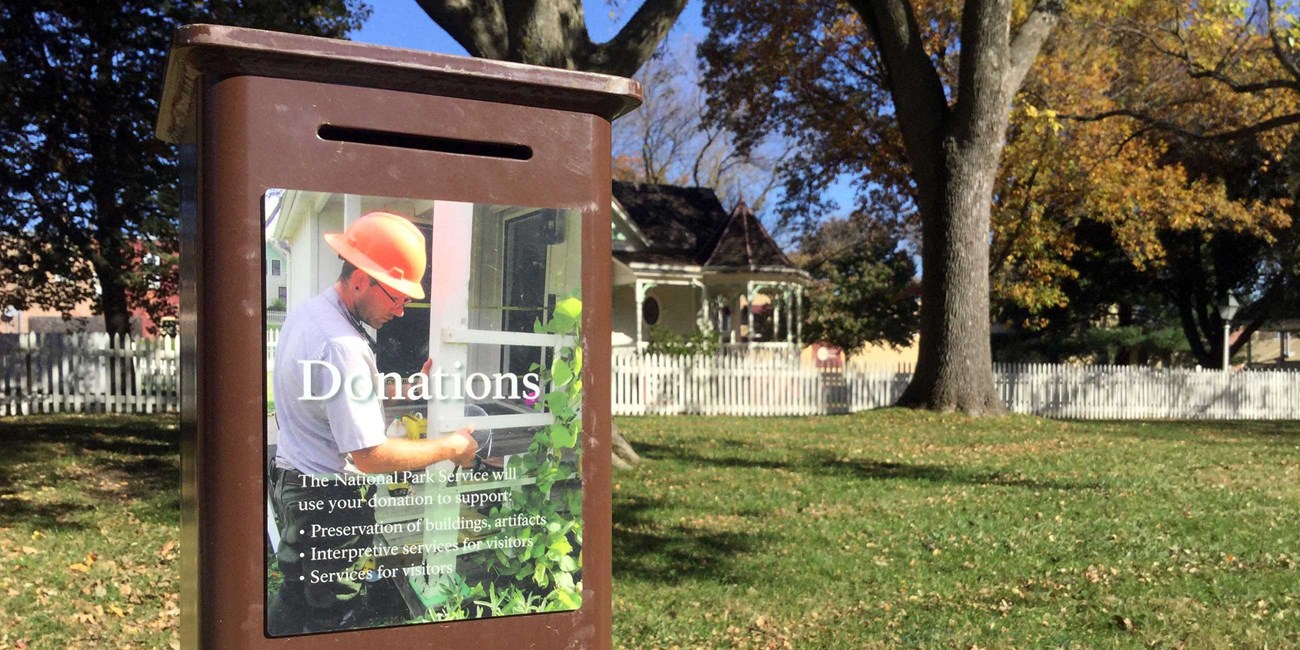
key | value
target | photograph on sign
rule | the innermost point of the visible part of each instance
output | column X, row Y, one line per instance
column 423, row 411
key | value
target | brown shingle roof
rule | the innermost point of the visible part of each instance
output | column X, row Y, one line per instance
column 682, row 222
column 688, row 226
column 744, row 242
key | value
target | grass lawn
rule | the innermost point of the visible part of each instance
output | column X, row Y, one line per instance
column 885, row 529
column 902, row 529
column 89, row 509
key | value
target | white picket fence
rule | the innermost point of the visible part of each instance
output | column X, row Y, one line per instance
column 781, row 386
column 1140, row 393
column 88, row 373
column 94, row 373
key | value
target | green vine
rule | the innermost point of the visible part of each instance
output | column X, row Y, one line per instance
column 549, row 554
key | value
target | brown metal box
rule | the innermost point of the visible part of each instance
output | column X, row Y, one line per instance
column 253, row 111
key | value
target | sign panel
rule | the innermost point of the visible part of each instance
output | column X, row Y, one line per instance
column 423, row 411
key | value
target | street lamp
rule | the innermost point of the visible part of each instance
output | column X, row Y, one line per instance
column 1227, row 309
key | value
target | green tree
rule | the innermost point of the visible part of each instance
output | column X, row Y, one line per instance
column 88, row 198
column 864, row 285
column 1150, row 170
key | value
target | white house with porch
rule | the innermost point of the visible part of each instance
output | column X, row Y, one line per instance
column 682, row 263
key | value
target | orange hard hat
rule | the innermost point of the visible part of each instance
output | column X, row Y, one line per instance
column 388, row 248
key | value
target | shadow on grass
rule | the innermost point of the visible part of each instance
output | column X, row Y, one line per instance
column 41, row 516
column 878, row 470
column 1201, row 432
column 117, row 458
column 824, row 464
column 652, row 549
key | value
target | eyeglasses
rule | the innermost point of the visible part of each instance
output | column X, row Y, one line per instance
column 400, row 302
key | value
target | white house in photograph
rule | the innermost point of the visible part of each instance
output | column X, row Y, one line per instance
column 492, row 269
column 682, row 263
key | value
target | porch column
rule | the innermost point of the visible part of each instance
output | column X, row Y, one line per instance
column 749, row 313
column 705, row 323
column 786, row 295
column 798, row 317
column 639, row 297
column 776, row 317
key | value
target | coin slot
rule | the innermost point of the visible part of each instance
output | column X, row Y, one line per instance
column 425, row 142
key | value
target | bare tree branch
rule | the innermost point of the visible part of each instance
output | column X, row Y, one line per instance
column 1287, row 59
column 479, row 26
column 1166, row 125
column 552, row 33
column 1245, row 88
column 917, row 88
column 985, row 49
column 1028, row 41
column 624, row 54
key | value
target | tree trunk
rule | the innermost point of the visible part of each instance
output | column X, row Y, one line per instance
column 624, row 457
column 954, row 369
column 954, row 152
column 553, row 32
column 117, row 313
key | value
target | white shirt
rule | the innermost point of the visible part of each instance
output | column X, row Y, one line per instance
column 319, row 344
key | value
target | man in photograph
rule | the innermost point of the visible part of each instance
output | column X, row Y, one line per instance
column 325, row 445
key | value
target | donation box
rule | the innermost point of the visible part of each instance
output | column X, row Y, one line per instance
column 395, row 321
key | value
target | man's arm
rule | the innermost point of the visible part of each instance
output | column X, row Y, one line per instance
column 400, row 454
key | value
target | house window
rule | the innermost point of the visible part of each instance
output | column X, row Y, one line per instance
column 650, row 310
column 524, row 290
column 275, row 269
column 283, row 294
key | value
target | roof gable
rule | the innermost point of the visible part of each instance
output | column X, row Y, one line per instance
column 682, row 222
column 744, row 242
column 688, row 226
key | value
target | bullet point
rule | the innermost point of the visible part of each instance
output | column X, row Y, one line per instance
column 301, row 532
column 302, row 577
column 302, row 555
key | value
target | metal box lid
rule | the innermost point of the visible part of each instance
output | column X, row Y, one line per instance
column 223, row 51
